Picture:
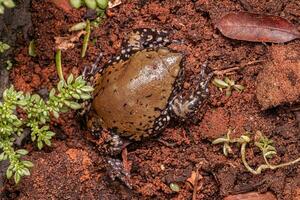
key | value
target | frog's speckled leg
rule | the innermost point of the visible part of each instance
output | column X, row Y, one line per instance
column 140, row 39
column 182, row 107
column 116, row 144
column 117, row 170
column 88, row 73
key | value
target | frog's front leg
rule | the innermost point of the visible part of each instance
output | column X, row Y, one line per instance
column 182, row 107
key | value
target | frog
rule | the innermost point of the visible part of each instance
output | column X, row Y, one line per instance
column 138, row 92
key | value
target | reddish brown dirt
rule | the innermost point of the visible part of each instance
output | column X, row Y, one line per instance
column 74, row 169
column 279, row 81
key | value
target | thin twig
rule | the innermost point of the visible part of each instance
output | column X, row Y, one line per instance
column 233, row 69
column 195, row 184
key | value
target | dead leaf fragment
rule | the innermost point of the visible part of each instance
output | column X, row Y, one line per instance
column 114, row 3
column 257, row 27
column 67, row 42
column 63, row 4
column 193, row 178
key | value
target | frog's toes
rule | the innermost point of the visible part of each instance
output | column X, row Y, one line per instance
column 89, row 71
column 117, row 170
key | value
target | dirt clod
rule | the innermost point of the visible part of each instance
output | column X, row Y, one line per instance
column 252, row 196
column 279, row 82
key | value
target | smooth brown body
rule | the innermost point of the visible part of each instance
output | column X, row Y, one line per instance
column 130, row 95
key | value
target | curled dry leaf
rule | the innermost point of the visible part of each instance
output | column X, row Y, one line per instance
column 257, row 27
column 192, row 180
column 114, row 3
column 68, row 42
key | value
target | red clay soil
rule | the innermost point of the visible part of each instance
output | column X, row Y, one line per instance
column 74, row 168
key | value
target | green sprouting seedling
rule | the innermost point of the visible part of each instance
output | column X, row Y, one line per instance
column 8, row 64
column 226, row 140
column 38, row 113
column 86, row 39
column 228, row 85
column 264, row 144
column 31, row 49
column 6, row 4
column 3, row 46
column 78, row 27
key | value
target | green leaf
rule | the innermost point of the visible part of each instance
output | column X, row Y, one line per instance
column 77, row 27
column 220, row 140
column 9, row 173
column 27, row 163
column 228, row 92
column 79, row 79
column 23, row 102
column 2, row 156
column 60, row 85
column 74, row 105
column 174, row 187
column 35, row 98
column 50, row 134
column 31, row 49
column 76, row 96
column 40, row 145
column 92, row 4
column 52, row 92
column 239, row 88
column 75, row 3
column 1, row 11
column 102, row 4
column 9, row 3
column 33, row 137
column 17, row 177
column 47, row 142
column 220, row 83
column 85, row 96
column 245, row 138
column 86, row 38
column 229, row 82
column 25, row 172
column 70, row 79
column 87, row 88
column 22, row 152
column 55, row 114
column 270, row 154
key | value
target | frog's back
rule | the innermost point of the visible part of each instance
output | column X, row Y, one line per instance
column 130, row 95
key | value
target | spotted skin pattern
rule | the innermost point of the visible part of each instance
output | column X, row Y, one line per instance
column 176, row 107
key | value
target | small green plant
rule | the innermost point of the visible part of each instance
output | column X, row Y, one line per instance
column 6, row 4
column 264, row 144
column 31, row 49
column 9, row 64
column 3, row 46
column 38, row 113
column 228, row 85
column 98, row 5
column 92, row 4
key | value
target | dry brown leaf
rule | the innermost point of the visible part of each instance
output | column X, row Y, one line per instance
column 192, row 180
column 114, row 3
column 126, row 163
column 67, row 42
column 257, row 27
